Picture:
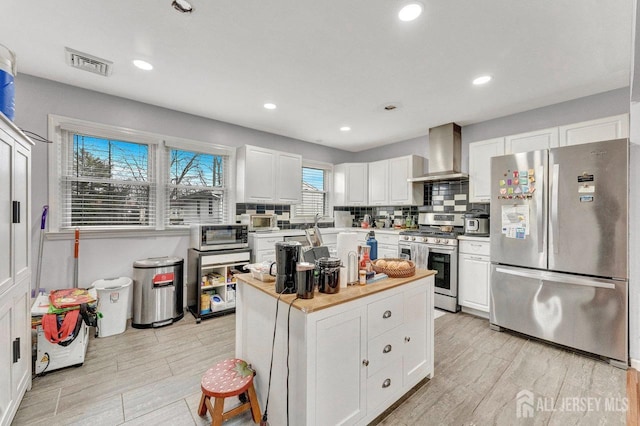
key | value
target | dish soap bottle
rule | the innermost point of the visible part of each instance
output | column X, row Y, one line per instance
column 373, row 243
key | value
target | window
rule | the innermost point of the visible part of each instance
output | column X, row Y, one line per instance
column 314, row 193
column 195, row 188
column 105, row 182
column 107, row 178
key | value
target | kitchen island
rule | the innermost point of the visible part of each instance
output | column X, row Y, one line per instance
column 351, row 354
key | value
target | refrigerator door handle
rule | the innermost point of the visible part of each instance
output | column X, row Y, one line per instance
column 554, row 206
column 559, row 278
column 539, row 217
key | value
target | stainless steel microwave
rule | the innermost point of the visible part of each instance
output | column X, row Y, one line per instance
column 205, row 237
column 260, row 222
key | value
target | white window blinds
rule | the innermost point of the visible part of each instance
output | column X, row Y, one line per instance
column 105, row 182
column 314, row 195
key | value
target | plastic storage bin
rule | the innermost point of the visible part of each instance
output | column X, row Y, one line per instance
column 157, row 291
column 113, row 303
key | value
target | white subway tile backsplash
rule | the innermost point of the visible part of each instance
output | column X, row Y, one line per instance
column 438, row 197
column 449, row 202
column 460, row 208
column 460, row 196
column 438, row 208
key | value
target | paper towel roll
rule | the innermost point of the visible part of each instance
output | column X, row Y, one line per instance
column 346, row 242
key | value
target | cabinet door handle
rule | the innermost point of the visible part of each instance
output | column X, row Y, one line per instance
column 475, row 258
column 16, row 350
column 387, row 314
column 365, row 362
column 386, row 383
column 407, row 339
column 386, row 349
column 16, row 212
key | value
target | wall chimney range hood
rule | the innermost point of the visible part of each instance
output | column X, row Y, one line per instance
column 445, row 153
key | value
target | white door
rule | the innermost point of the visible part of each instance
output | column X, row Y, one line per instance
column 6, row 189
column 379, row 183
column 415, row 355
column 602, row 129
column 289, row 179
column 260, row 175
column 21, row 321
column 357, row 184
column 480, row 154
column 340, row 372
column 6, row 359
column 22, row 236
column 473, row 281
column 532, row 141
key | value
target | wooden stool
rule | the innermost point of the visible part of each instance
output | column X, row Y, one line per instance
column 231, row 377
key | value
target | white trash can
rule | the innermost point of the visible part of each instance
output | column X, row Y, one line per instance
column 113, row 304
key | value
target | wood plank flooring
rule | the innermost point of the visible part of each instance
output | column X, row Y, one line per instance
column 153, row 377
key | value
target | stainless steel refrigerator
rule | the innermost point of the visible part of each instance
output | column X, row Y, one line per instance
column 559, row 244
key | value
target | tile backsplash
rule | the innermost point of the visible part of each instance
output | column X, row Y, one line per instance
column 447, row 196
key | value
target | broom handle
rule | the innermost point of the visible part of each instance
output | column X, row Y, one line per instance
column 76, row 248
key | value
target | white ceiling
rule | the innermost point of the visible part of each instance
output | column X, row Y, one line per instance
column 329, row 63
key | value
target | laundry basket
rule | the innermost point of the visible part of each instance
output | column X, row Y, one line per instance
column 113, row 303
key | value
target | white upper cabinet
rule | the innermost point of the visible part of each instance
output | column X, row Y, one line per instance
column 602, row 129
column 532, row 141
column 268, row 176
column 480, row 154
column 379, row 183
column 351, row 184
column 402, row 192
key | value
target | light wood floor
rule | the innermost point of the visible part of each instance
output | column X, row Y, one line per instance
column 153, row 377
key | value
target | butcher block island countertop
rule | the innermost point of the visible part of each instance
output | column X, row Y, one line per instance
column 338, row 358
column 323, row 300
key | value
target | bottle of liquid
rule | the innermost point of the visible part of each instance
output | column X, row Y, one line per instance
column 373, row 243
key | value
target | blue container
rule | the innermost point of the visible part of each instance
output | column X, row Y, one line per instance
column 7, row 86
column 373, row 243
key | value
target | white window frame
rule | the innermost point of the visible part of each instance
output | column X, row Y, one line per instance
column 57, row 125
column 328, row 168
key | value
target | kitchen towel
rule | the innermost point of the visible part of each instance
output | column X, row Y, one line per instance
column 347, row 242
column 420, row 255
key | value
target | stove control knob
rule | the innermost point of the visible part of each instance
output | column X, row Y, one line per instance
column 445, row 241
column 413, row 238
column 437, row 240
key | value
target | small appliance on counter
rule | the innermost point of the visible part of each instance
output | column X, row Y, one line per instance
column 288, row 254
column 205, row 237
column 260, row 222
column 476, row 223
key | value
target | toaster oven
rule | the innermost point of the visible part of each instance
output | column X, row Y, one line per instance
column 205, row 237
column 260, row 222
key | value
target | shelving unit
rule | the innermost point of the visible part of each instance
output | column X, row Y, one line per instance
column 210, row 274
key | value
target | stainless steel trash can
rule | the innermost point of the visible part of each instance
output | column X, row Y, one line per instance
column 157, row 291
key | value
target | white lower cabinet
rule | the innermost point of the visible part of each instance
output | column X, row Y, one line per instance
column 263, row 248
column 15, row 340
column 474, row 267
column 347, row 363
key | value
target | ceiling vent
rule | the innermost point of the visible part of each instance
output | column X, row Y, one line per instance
column 87, row 62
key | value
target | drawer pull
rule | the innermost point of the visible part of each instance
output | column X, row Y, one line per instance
column 365, row 362
column 387, row 314
column 386, row 383
column 407, row 339
column 386, row 349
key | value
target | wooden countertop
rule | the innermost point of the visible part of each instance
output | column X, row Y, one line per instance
column 323, row 300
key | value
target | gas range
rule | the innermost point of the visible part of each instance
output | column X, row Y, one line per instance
column 431, row 236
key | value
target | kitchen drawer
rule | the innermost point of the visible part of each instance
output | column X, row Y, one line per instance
column 384, row 315
column 384, row 385
column 384, row 349
column 474, row 247
column 391, row 239
column 265, row 243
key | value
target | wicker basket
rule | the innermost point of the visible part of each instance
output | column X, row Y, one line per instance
column 395, row 273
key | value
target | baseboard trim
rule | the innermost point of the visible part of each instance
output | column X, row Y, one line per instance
column 635, row 363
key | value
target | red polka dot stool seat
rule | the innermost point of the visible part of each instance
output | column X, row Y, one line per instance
column 231, row 377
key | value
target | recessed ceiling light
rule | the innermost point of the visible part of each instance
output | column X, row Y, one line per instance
column 270, row 106
column 143, row 65
column 345, row 128
column 410, row 12
column 182, row 6
column 482, row 80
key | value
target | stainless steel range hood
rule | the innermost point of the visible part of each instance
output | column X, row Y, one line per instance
column 445, row 153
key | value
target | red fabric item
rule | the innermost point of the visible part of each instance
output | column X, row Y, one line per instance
column 50, row 326
column 224, row 380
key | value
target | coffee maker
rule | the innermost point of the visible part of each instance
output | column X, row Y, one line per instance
column 288, row 254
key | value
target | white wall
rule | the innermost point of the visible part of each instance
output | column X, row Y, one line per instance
column 101, row 258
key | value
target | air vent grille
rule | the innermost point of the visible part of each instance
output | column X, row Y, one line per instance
column 87, row 62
